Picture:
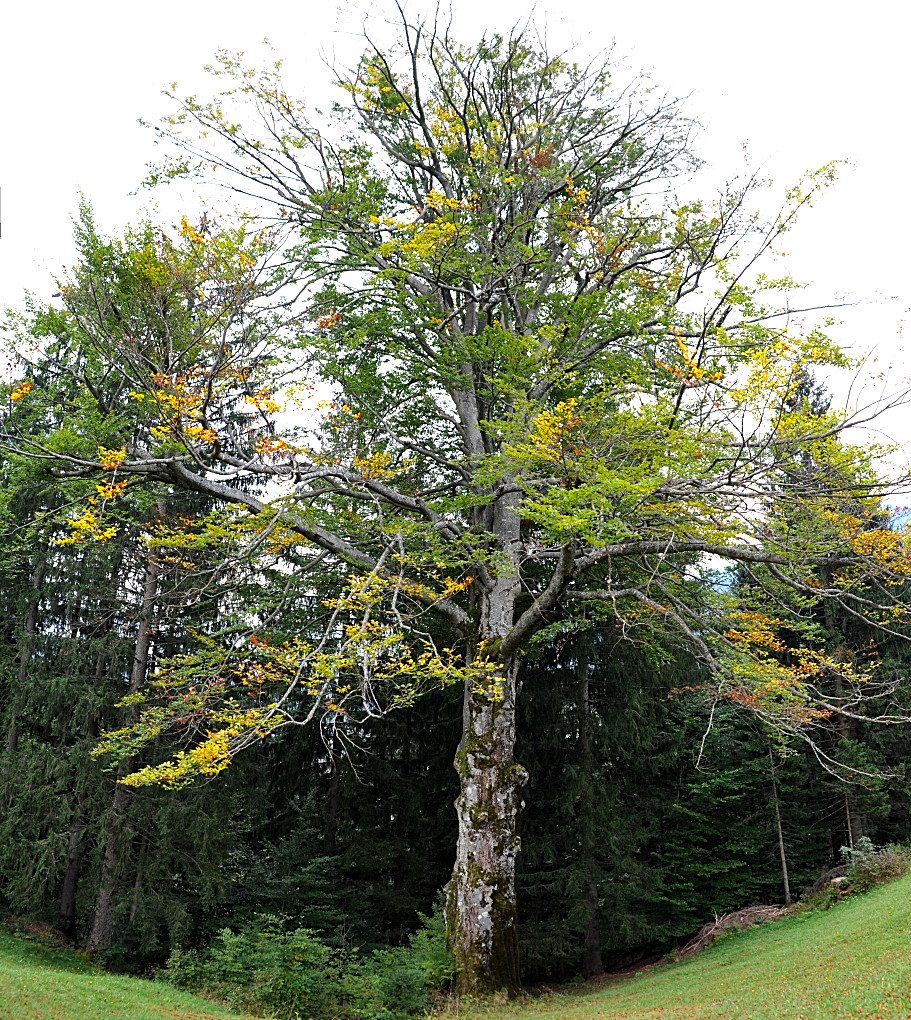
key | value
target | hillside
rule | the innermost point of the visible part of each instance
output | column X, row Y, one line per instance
column 41, row 984
column 852, row 962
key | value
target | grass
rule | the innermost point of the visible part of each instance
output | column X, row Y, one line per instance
column 852, row 962
column 37, row 983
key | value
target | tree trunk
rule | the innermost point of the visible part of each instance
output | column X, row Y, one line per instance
column 481, row 906
column 854, row 821
column 111, row 867
column 29, row 629
column 137, row 884
column 103, row 924
column 399, row 809
column 67, row 915
column 330, row 823
column 592, row 964
column 781, row 851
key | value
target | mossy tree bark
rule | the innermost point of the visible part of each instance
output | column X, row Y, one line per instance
column 482, row 921
column 482, row 917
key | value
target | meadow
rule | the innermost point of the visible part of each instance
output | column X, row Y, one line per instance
column 40, row 983
column 851, row 962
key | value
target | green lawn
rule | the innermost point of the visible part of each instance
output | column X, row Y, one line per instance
column 852, row 961
column 41, row 984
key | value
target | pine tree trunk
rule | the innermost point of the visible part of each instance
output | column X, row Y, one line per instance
column 29, row 629
column 67, row 914
column 400, row 798
column 331, row 810
column 103, row 924
column 137, row 884
column 67, row 921
column 854, row 820
column 592, row 964
column 849, row 822
column 781, row 851
column 112, row 865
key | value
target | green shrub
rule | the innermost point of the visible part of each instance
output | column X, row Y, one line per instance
column 291, row 973
column 264, row 965
column 869, row 865
column 822, row 899
column 404, row 977
column 398, row 981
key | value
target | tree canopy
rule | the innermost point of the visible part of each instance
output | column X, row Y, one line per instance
column 474, row 368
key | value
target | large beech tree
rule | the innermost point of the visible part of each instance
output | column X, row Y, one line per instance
column 481, row 366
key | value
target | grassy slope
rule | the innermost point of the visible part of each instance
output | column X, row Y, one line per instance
column 38, row 984
column 852, row 962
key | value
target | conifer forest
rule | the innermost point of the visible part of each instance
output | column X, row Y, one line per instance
column 444, row 551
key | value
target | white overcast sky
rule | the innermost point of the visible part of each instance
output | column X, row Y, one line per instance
column 800, row 83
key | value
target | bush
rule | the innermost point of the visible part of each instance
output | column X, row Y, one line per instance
column 292, row 973
column 822, row 899
column 263, row 966
column 405, row 976
column 869, row 865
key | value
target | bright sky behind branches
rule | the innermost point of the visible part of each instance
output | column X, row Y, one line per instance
column 783, row 87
